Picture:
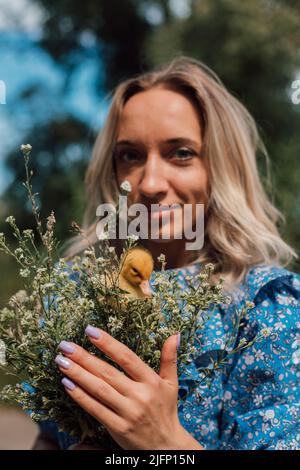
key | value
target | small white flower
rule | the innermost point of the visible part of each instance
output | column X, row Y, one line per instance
column 132, row 238
column 242, row 342
column 101, row 261
column 21, row 296
column 26, row 148
column 10, row 220
column 28, row 233
column 2, row 353
column 161, row 258
column 126, row 186
column 63, row 275
column 24, row 272
column 209, row 267
column 88, row 252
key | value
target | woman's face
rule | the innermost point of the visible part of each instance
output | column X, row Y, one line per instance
column 158, row 152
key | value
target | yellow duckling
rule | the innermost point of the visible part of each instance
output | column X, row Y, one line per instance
column 136, row 268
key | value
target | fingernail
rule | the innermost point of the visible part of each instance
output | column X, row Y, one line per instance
column 66, row 347
column 92, row 332
column 178, row 340
column 68, row 383
column 63, row 362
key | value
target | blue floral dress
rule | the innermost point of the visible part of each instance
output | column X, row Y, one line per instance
column 254, row 402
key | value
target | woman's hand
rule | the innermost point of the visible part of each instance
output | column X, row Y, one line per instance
column 139, row 411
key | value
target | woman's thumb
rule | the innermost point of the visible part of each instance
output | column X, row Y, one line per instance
column 168, row 360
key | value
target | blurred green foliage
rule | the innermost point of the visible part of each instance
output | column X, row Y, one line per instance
column 253, row 47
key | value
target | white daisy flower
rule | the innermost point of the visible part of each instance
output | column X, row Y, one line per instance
column 126, row 186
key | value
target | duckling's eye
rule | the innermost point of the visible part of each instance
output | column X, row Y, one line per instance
column 135, row 271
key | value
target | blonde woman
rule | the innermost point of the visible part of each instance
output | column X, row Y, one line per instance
column 179, row 137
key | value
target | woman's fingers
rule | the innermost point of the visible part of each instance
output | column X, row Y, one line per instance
column 94, row 386
column 101, row 369
column 122, row 355
column 110, row 420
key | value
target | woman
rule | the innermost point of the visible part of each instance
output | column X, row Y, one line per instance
column 179, row 137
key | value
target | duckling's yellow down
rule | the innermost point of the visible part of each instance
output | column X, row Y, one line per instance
column 136, row 268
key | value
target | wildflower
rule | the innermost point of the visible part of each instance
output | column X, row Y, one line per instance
column 202, row 276
column 161, row 258
column 21, row 296
column 63, row 275
column 132, row 238
column 88, row 252
column 126, row 187
column 24, row 272
column 209, row 267
column 218, row 287
column 10, row 220
column 2, row 353
column 26, row 148
column 47, row 286
column 19, row 253
column 28, row 233
column 51, row 222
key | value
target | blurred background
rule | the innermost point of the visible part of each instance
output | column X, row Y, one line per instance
column 60, row 60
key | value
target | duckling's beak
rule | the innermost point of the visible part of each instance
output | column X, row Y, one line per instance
column 146, row 289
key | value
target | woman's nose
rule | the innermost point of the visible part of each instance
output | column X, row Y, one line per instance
column 154, row 182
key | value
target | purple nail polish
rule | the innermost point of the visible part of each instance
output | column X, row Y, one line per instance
column 178, row 340
column 68, row 383
column 66, row 347
column 92, row 332
column 63, row 362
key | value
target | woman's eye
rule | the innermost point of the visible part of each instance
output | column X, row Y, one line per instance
column 183, row 153
column 128, row 156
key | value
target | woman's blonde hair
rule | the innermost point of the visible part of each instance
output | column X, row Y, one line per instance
column 240, row 226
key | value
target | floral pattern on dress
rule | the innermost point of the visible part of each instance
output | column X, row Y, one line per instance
column 254, row 403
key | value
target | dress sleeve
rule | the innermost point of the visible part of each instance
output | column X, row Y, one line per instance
column 261, row 401
column 50, row 429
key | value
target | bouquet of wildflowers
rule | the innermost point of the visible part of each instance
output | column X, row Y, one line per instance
column 60, row 298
